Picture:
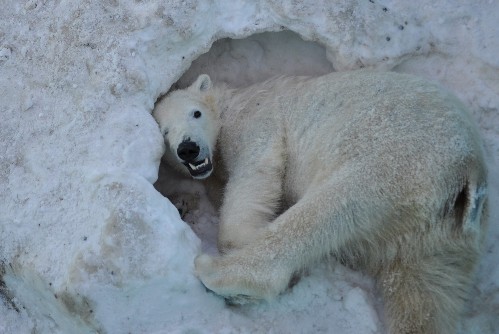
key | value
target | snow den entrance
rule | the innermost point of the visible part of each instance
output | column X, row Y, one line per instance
column 238, row 63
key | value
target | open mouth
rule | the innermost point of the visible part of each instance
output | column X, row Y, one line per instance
column 199, row 169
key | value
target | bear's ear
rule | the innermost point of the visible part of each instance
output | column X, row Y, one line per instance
column 202, row 84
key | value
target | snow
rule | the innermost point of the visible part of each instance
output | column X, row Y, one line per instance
column 88, row 244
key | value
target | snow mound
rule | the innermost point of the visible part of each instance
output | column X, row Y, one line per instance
column 88, row 244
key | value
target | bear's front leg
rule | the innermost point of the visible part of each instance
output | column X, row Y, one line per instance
column 315, row 226
column 250, row 204
column 252, row 198
column 242, row 277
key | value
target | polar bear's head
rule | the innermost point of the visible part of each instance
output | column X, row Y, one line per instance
column 189, row 122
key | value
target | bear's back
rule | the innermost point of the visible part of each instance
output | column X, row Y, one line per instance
column 393, row 129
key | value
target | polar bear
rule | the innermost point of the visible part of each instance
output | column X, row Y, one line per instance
column 383, row 171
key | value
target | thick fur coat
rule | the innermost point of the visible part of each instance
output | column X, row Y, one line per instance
column 383, row 171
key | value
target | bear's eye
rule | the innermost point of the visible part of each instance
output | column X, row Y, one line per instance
column 165, row 132
column 197, row 114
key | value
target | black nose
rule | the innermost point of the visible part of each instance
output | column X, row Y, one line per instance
column 188, row 151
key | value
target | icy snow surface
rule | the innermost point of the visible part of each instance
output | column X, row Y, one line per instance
column 87, row 243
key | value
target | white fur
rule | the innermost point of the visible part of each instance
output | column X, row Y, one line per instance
column 384, row 171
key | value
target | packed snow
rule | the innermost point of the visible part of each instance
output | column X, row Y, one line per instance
column 88, row 241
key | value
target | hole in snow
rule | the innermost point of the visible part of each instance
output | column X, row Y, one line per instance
column 242, row 62
column 238, row 63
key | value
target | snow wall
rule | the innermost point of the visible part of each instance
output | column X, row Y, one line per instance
column 87, row 243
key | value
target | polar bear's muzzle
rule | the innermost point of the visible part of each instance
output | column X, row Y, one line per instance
column 198, row 165
column 200, row 169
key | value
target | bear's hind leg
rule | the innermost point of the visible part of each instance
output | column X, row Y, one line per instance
column 426, row 296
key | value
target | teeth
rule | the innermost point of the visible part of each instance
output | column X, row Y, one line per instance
column 205, row 163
